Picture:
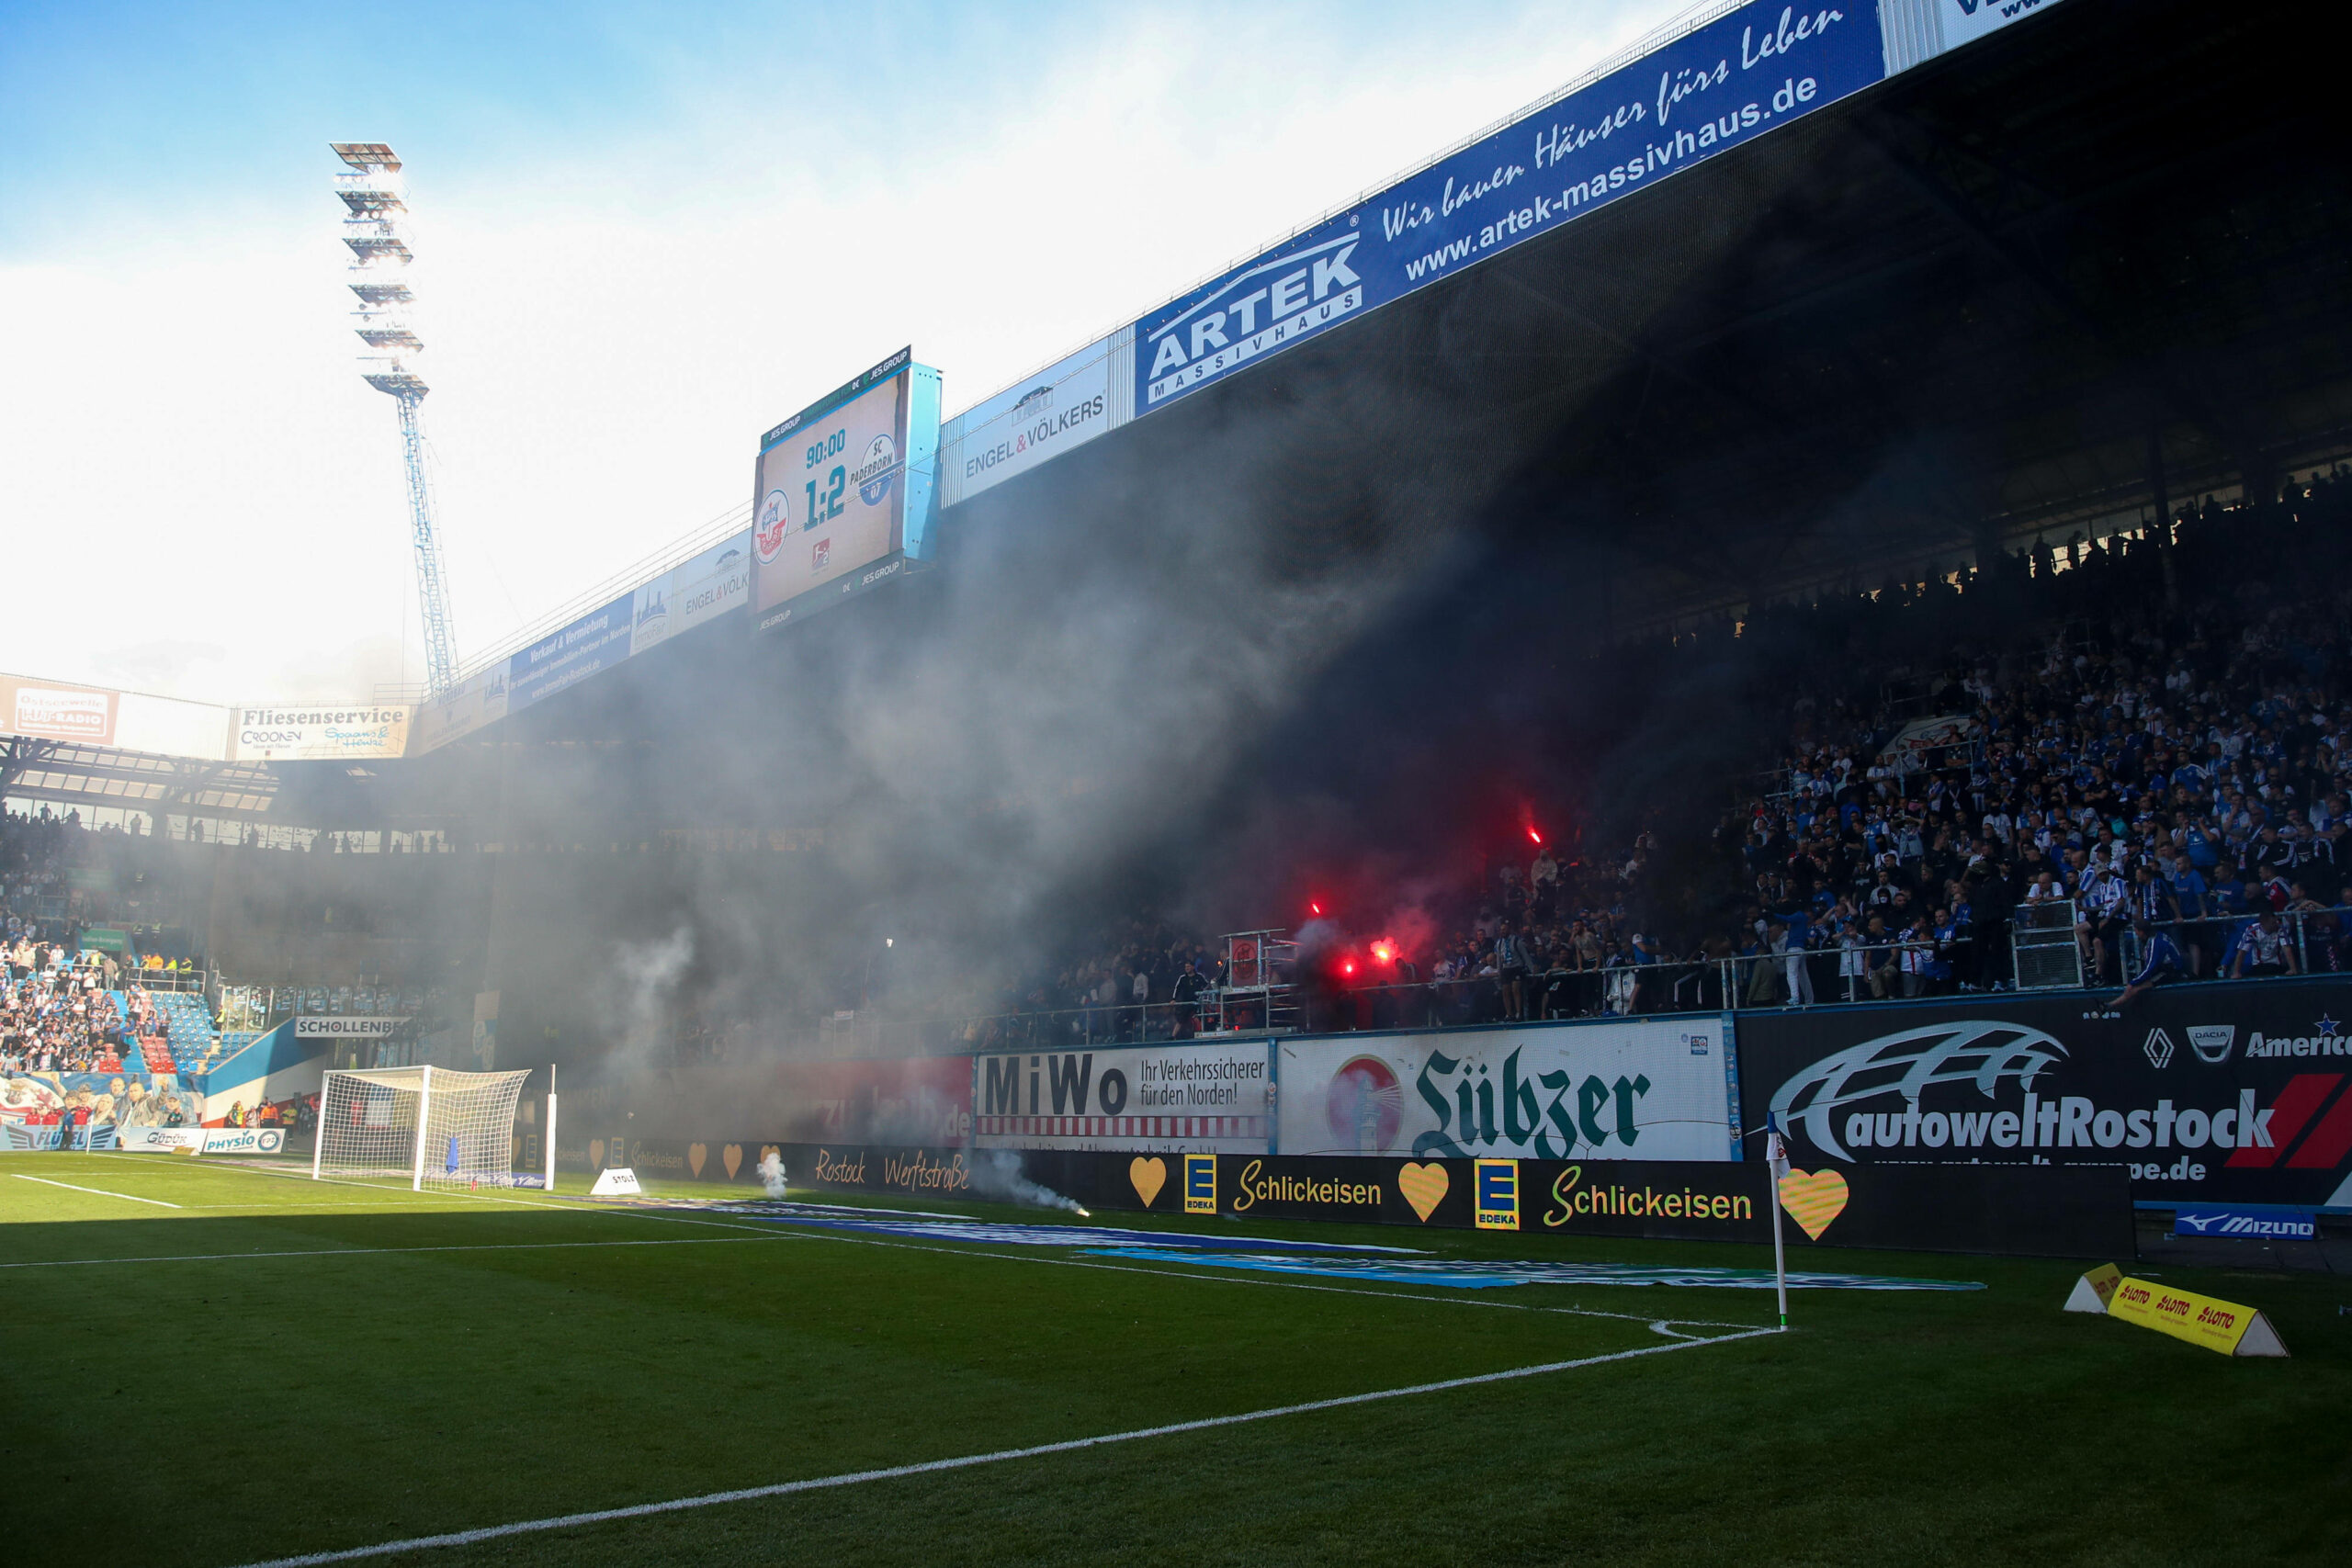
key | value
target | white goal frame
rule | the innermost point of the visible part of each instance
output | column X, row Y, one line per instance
column 433, row 1126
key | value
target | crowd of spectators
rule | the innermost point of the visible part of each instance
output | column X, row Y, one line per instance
column 2149, row 749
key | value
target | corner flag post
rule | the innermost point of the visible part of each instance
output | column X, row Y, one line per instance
column 1776, row 1165
column 550, row 1187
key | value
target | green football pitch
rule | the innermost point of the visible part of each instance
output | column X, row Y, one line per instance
column 219, row 1364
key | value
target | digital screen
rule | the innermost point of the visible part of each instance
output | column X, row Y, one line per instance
column 831, row 501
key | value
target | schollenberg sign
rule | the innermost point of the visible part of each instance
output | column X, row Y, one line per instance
column 346, row 1028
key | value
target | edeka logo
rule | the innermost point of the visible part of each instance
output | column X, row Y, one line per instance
column 1200, row 1184
column 1263, row 308
column 1553, row 1122
column 1494, row 1195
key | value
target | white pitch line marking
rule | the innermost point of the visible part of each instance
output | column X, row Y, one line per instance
column 896, row 1472
column 374, row 1251
column 100, row 1191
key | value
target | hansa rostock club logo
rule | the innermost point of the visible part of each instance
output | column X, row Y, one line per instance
column 774, row 524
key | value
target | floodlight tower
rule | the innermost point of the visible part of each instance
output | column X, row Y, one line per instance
column 375, row 226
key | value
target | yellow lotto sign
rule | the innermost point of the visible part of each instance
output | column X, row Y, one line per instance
column 2217, row 1324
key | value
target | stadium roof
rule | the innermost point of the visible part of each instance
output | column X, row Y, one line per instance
column 1955, row 309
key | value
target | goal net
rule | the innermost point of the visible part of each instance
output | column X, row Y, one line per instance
column 429, row 1125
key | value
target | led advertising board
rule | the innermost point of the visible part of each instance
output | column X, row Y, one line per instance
column 842, row 493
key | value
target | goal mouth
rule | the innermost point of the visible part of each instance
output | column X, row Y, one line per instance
column 435, row 1126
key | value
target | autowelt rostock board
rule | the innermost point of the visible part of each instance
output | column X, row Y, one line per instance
column 1730, row 81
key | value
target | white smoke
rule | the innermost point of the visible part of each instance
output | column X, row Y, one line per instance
column 771, row 1173
column 999, row 1175
column 647, row 974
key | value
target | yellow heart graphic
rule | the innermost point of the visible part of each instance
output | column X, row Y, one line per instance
column 596, row 1153
column 1150, row 1176
column 696, row 1155
column 731, row 1156
column 1814, row 1200
column 1423, row 1187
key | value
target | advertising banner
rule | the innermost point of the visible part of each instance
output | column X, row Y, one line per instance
column 478, row 700
column 2215, row 1094
column 1965, row 21
column 909, row 1172
column 319, row 731
column 913, row 1100
column 694, row 592
column 595, row 641
column 2226, row 1327
column 1061, row 407
column 2025, row 1211
column 203, row 1140
column 308, row 1028
column 1724, row 85
column 48, row 710
column 1215, row 1098
column 1647, row 1089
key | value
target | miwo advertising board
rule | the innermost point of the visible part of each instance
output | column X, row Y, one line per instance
column 1214, row 1098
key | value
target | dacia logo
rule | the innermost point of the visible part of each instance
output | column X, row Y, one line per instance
column 2159, row 1049
column 2211, row 1042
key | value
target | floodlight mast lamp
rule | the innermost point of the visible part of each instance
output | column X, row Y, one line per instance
column 375, row 226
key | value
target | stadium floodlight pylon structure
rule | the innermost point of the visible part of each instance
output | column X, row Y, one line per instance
column 374, row 225
column 433, row 1125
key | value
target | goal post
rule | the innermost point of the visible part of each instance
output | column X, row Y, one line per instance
column 430, row 1126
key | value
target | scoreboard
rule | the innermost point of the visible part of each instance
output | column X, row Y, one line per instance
column 845, row 492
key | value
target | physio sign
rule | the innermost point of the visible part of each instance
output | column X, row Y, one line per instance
column 1712, row 90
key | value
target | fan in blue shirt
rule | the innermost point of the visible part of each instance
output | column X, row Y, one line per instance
column 2159, row 959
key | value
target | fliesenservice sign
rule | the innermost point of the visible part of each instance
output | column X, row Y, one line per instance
column 1731, row 81
column 320, row 731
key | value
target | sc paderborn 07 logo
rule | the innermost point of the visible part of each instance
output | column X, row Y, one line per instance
column 880, row 467
column 774, row 523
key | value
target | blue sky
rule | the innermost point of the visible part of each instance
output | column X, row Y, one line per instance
column 644, row 234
